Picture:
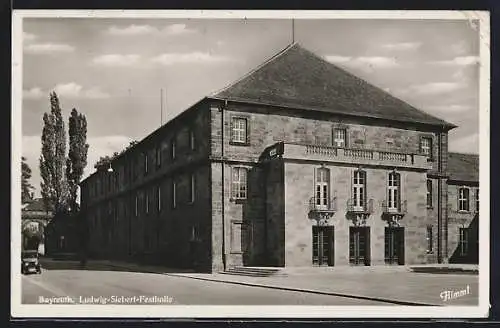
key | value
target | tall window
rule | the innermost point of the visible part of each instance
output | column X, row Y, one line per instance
column 146, row 163
column 477, row 200
column 463, row 199
column 192, row 141
column 393, row 191
column 358, row 189
column 429, row 193
column 158, row 197
column 158, row 156
column 426, row 146
column 322, row 186
column 192, row 188
column 239, row 130
column 430, row 244
column 174, row 194
column 172, row 148
column 146, row 202
column 136, row 210
column 239, row 183
column 463, row 241
column 340, row 138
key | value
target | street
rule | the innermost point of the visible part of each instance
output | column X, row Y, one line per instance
column 83, row 284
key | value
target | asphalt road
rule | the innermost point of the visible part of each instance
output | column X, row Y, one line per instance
column 118, row 287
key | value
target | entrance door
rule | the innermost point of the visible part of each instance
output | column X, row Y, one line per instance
column 394, row 245
column 359, row 245
column 323, row 245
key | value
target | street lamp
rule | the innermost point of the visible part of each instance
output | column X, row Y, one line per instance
column 110, row 169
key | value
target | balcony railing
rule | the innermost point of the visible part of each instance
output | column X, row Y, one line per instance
column 355, row 156
column 318, row 205
column 356, row 208
column 401, row 208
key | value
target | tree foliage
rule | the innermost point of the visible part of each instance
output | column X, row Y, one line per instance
column 77, row 155
column 26, row 187
column 104, row 161
column 54, row 185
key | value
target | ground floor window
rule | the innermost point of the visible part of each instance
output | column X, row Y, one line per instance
column 323, row 245
column 359, row 245
column 463, row 241
column 394, row 245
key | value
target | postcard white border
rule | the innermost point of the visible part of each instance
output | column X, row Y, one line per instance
column 176, row 311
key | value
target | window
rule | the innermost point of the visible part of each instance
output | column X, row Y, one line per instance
column 146, row 202
column 322, row 187
column 426, row 146
column 174, row 194
column 429, row 193
column 195, row 233
column 145, row 163
column 172, row 148
column 158, row 156
column 477, row 200
column 192, row 141
column 158, row 197
column 393, row 199
column 463, row 241
column 239, row 130
column 463, row 199
column 136, row 212
column 430, row 243
column 358, row 189
column 192, row 188
column 340, row 138
column 239, row 183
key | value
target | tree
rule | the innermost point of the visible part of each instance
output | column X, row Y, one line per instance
column 77, row 154
column 54, row 187
column 26, row 187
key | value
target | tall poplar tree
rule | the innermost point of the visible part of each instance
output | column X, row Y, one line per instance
column 77, row 155
column 26, row 187
column 54, row 187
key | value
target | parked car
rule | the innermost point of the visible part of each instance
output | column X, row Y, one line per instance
column 30, row 262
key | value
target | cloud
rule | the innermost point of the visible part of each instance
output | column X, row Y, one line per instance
column 34, row 93
column 98, row 146
column 454, row 108
column 74, row 90
column 189, row 58
column 458, row 61
column 402, row 46
column 436, row 87
column 116, row 60
column 48, row 48
column 176, row 29
column 133, row 30
column 363, row 62
column 28, row 36
column 466, row 144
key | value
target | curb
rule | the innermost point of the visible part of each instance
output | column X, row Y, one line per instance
column 310, row 291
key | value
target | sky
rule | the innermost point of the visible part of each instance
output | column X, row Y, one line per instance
column 112, row 69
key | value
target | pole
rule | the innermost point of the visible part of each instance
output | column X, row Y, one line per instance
column 293, row 30
column 161, row 106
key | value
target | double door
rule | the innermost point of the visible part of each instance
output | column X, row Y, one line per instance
column 323, row 245
column 394, row 245
column 359, row 245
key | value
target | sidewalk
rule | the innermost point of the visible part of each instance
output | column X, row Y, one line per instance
column 396, row 285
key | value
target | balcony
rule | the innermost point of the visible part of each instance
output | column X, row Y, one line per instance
column 400, row 209
column 355, row 156
column 354, row 208
column 316, row 205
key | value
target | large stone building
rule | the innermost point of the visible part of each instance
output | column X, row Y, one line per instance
column 299, row 163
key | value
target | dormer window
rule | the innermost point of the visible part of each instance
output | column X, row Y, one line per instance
column 426, row 146
column 340, row 138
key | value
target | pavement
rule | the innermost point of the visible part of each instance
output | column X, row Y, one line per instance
column 344, row 285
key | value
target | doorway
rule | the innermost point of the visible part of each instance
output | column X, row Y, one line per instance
column 323, row 245
column 359, row 245
column 394, row 245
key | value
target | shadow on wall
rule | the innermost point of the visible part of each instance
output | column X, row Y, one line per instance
column 471, row 253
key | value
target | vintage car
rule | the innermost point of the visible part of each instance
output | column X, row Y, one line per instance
column 30, row 262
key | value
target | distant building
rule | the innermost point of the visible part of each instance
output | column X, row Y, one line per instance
column 299, row 163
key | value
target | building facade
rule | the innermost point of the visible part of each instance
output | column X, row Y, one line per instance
column 299, row 163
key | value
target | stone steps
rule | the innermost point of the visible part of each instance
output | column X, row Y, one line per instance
column 254, row 271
